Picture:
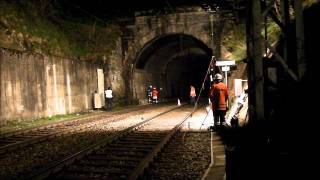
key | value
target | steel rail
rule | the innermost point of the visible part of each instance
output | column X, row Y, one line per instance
column 151, row 156
column 39, row 136
column 65, row 122
column 56, row 167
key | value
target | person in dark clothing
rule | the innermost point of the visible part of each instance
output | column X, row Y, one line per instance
column 109, row 97
column 149, row 94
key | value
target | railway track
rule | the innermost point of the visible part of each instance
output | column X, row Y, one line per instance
column 123, row 155
column 17, row 139
column 187, row 157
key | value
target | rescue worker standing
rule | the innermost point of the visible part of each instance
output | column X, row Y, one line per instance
column 155, row 95
column 192, row 95
column 219, row 98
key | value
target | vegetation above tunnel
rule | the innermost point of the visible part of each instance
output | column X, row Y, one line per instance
column 40, row 26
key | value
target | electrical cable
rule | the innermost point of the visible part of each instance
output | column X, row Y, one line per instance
column 86, row 12
column 204, row 119
column 202, row 86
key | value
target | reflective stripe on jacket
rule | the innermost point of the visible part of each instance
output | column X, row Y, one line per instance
column 219, row 96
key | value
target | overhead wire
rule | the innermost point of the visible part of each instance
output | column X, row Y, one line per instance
column 86, row 12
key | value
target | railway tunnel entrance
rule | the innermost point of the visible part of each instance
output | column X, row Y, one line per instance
column 171, row 62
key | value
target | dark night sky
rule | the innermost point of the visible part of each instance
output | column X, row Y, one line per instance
column 105, row 9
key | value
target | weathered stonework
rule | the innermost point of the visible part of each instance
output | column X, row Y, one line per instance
column 147, row 28
column 113, row 70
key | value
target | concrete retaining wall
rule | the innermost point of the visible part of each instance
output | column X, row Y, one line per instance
column 34, row 85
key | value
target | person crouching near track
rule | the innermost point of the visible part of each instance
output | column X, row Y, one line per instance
column 219, row 97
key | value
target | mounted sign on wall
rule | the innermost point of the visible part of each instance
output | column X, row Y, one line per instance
column 225, row 68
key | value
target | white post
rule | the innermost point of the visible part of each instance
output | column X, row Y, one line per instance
column 226, row 69
column 226, row 77
column 211, row 148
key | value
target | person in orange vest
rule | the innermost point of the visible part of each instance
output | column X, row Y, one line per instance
column 155, row 95
column 192, row 95
column 219, row 98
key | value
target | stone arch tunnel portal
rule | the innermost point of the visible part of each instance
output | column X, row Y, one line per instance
column 172, row 63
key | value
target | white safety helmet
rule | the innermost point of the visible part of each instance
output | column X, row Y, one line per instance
column 217, row 77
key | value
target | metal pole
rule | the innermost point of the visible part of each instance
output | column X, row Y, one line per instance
column 258, row 64
column 226, row 77
column 211, row 23
column 298, row 11
column 255, row 62
column 285, row 19
column 226, row 80
column 212, row 151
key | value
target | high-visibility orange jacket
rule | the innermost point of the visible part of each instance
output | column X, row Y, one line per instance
column 154, row 93
column 193, row 92
column 219, row 96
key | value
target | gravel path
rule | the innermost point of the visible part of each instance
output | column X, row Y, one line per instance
column 187, row 157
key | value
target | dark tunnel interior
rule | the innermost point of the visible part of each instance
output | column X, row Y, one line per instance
column 184, row 71
column 180, row 60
